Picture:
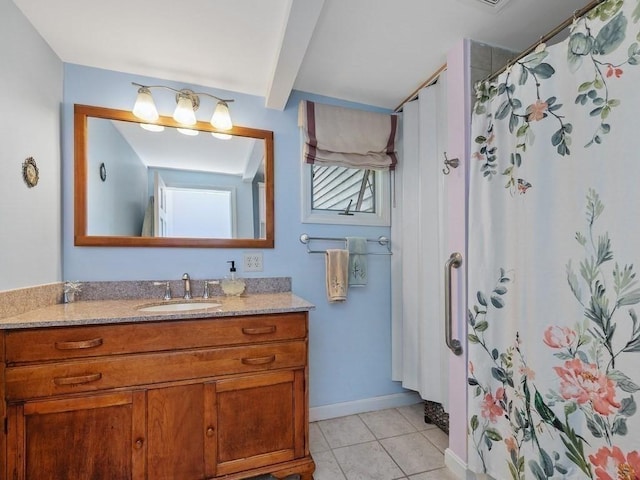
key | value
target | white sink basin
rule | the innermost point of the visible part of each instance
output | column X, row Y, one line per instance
column 179, row 307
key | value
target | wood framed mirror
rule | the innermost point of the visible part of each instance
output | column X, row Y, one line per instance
column 167, row 188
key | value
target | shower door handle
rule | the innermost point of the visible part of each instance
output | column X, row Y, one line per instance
column 455, row 260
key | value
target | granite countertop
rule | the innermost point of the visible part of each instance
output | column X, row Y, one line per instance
column 98, row 312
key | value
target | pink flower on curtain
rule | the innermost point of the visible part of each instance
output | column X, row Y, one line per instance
column 527, row 372
column 537, row 110
column 611, row 71
column 511, row 444
column 490, row 408
column 611, row 464
column 559, row 337
column 585, row 383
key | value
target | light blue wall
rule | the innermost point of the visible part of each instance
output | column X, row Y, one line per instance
column 350, row 345
column 116, row 205
column 30, row 95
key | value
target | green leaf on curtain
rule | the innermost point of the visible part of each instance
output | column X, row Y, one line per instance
column 537, row 470
column 503, row 110
column 514, row 120
column 497, row 301
column 594, row 206
column 524, row 76
column 500, row 290
column 493, row 434
column 545, row 461
column 628, row 407
column 473, row 338
column 630, row 298
column 604, row 249
column 482, row 300
column 584, row 86
column 546, row 413
column 594, row 428
column 611, row 35
column 502, row 376
column 605, row 10
column 636, row 13
column 535, row 58
column 481, row 326
column 544, row 71
column 474, row 423
column 588, row 270
column 619, row 426
column 572, row 278
column 579, row 46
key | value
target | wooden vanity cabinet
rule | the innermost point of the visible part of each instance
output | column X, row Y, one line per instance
column 228, row 402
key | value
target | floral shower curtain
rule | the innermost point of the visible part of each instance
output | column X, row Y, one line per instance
column 554, row 241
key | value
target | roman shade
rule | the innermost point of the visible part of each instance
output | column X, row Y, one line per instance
column 345, row 137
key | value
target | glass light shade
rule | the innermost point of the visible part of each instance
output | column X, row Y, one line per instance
column 145, row 108
column 221, row 118
column 222, row 136
column 188, row 131
column 184, row 113
column 151, row 127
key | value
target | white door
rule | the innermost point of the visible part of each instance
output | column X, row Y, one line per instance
column 159, row 206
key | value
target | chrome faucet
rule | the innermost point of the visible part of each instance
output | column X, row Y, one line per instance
column 187, row 286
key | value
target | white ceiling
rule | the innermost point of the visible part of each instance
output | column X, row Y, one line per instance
column 375, row 52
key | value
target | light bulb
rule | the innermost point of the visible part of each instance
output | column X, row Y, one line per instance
column 221, row 118
column 221, row 136
column 188, row 131
column 152, row 127
column 184, row 113
column 145, row 108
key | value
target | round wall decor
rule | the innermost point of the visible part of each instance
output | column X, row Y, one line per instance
column 30, row 172
column 103, row 172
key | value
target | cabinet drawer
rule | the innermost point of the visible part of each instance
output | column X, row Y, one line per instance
column 35, row 381
column 89, row 341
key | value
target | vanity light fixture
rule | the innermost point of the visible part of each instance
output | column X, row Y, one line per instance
column 152, row 127
column 187, row 102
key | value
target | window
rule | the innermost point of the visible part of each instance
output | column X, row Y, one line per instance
column 347, row 155
column 349, row 196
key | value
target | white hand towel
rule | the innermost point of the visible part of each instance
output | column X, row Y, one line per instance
column 337, row 263
column 357, row 247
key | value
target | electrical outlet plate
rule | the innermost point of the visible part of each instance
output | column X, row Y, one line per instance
column 252, row 262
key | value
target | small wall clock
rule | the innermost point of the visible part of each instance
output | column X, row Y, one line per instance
column 30, row 172
column 103, row 172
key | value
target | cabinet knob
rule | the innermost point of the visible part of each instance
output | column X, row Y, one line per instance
column 210, row 432
column 139, row 443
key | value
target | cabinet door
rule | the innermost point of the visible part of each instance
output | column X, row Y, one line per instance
column 175, row 429
column 256, row 420
column 99, row 437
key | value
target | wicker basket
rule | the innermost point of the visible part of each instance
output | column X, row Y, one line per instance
column 434, row 413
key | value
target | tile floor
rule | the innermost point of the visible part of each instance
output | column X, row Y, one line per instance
column 384, row 445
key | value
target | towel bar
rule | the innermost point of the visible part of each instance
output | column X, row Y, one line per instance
column 382, row 240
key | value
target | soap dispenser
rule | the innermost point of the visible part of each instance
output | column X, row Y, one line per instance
column 232, row 284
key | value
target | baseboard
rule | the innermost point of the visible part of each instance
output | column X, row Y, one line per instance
column 459, row 468
column 336, row 410
column 455, row 464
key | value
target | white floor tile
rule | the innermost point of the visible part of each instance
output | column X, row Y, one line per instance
column 317, row 442
column 392, row 444
column 327, row 467
column 367, row 461
column 413, row 453
column 415, row 415
column 438, row 438
column 343, row 431
column 387, row 423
